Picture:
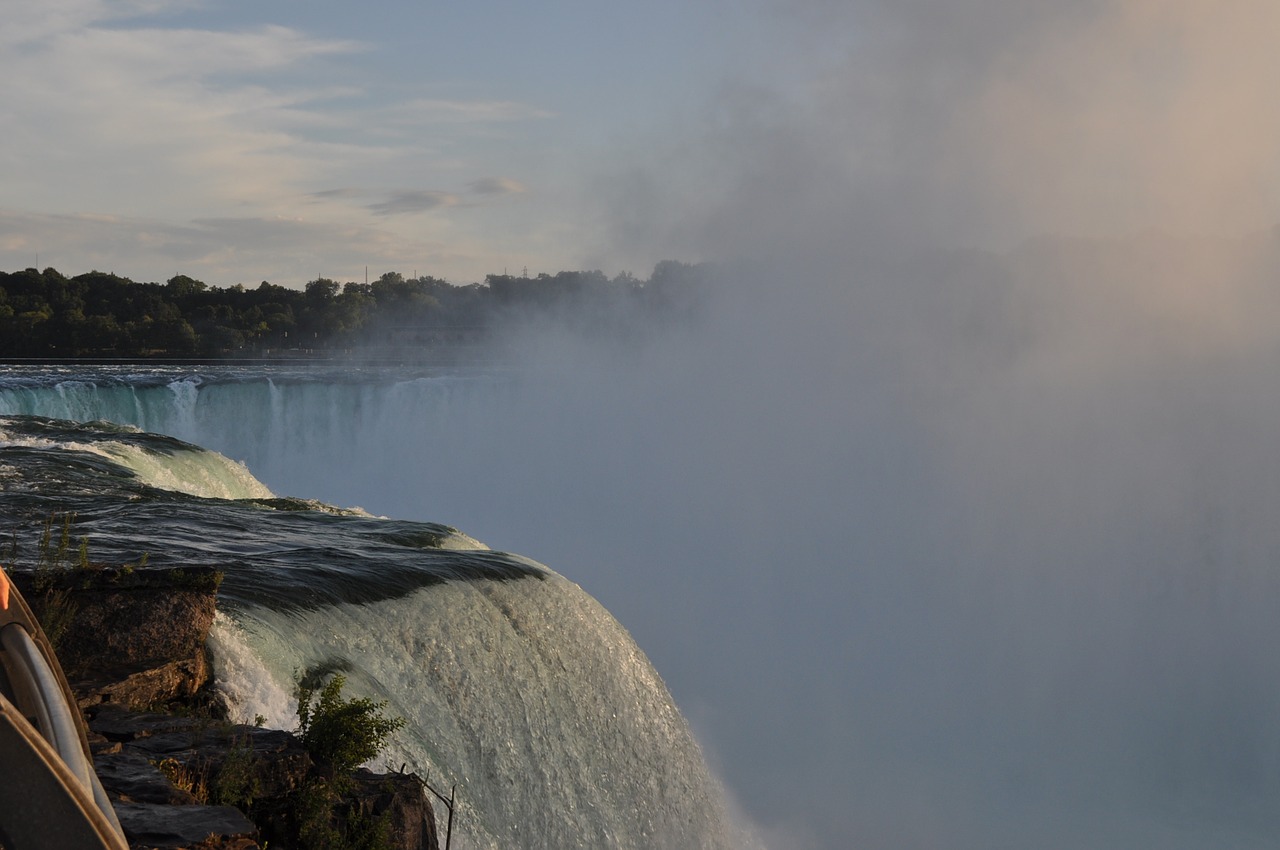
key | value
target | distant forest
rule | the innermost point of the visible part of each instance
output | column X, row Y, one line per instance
column 44, row 314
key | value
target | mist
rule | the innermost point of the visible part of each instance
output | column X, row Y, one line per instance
column 952, row 526
column 935, row 547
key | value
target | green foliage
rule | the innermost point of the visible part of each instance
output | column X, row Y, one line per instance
column 342, row 733
column 54, row 552
column 236, row 782
column 368, row 832
column 314, row 807
column 127, row 569
column 44, row 313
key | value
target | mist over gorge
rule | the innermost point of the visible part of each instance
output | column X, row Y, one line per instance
column 986, row 430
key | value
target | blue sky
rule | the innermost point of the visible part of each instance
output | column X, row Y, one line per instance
column 239, row 141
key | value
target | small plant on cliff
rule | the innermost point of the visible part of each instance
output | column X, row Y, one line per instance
column 328, row 820
column 313, row 809
column 54, row 552
column 339, row 733
column 185, row 778
column 53, row 555
column 56, row 613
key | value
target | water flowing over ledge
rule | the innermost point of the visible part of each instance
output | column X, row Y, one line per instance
column 517, row 685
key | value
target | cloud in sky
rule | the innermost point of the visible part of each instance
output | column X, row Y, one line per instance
column 401, row 203
column 154, row 123
column 496, row 186
column 223, row 250
column 459, row 111
column 112, row 112
column 969, row 121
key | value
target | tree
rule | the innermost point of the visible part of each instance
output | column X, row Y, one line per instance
column 181, row 286
column 322, row 289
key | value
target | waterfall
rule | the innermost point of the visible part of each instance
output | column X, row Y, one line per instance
column 525, row 694
column 518, row 687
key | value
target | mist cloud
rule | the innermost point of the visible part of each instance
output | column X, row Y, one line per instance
column 962, row 494
column 982, row 124
column 1145, row 115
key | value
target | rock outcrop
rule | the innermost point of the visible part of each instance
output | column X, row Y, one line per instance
column 132, row 637
column 132, row 644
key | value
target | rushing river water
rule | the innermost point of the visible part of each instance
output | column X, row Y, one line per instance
column 518, row 687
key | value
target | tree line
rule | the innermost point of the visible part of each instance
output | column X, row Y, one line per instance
column 46, row 314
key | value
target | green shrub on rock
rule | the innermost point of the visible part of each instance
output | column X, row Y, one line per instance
column 342, row 734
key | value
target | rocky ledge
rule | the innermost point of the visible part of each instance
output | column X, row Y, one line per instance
column 133, row 646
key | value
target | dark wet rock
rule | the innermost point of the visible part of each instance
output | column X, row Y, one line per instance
column 399, row 798
column 118, row 723
column 131, row 777
column 266, row 772
column 161, row 826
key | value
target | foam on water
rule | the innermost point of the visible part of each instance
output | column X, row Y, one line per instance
column 181, row 469
column 196, row 473
column 245, row 682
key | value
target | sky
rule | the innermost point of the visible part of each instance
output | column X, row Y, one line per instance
column 237, row 141
column 285, row 140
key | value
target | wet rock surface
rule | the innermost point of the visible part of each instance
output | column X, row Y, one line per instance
column 168, row 826
column 176, row 781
